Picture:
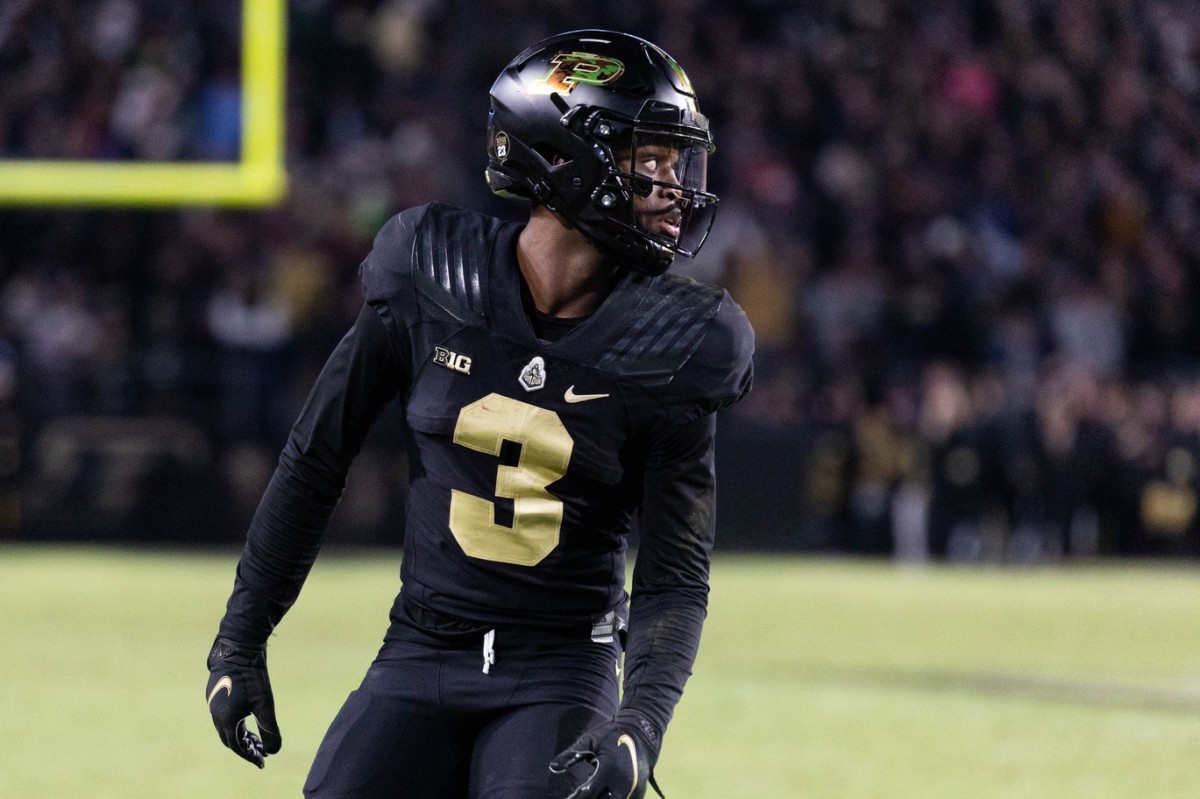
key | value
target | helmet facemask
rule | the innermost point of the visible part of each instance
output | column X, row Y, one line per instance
column 652, row 202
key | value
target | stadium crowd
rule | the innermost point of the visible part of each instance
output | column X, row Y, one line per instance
column 967, row 235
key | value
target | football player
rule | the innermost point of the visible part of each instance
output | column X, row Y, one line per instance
column 557, row 382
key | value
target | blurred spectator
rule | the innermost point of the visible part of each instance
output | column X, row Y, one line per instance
column 60, row 338
column 252, row 329
column 959, row 487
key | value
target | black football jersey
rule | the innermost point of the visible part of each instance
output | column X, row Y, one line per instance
column 528, row 459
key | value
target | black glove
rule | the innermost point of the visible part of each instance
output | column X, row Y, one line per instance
column 622, row 753
column 238, row 686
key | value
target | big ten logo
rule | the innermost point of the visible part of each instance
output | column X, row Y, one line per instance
column 452, row 360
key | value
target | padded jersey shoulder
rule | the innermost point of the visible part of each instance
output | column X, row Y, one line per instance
column 431, row 261
column 689, row 342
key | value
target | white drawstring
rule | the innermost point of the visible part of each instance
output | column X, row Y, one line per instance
column 489, row 650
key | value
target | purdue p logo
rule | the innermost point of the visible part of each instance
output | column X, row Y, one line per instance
column 568, row 70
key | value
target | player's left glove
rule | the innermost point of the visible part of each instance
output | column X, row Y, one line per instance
column 238, row 686
column 621, row 755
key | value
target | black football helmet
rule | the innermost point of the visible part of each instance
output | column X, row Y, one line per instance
column 569, row 117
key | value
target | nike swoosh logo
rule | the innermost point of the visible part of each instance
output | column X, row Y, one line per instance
column 571, row 396
column 628, row 743
column 226, row 683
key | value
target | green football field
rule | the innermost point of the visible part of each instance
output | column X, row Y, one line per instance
column 817, row 678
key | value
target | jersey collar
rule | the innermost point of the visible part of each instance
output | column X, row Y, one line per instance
column 588, row 339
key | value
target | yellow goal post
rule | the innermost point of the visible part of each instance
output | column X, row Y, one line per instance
column 257, row 178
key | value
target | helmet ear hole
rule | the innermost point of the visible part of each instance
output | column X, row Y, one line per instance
column 551, row 156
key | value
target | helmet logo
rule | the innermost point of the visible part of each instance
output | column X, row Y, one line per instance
column 501, row 141
column 568, row 70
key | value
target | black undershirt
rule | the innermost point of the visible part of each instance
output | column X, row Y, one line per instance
column 552, row 328
column 546, row 327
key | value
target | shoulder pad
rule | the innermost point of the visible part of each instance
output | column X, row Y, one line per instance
column 451, row 248
column 668, row 325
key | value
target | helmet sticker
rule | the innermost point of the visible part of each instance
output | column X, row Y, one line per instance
column 568, row 70
column 501, row 142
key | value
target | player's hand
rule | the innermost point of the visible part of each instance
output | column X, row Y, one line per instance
column 238, row 686
column 621, row 758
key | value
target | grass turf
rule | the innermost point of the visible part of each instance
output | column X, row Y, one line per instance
column 816, row 678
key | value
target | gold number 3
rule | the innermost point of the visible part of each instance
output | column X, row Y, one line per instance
column 537, row 514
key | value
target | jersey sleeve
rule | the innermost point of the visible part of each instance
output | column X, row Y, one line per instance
column 357, row 381
column 720, row 371
column 670, row 578
column 670, row 582
column 387, row 275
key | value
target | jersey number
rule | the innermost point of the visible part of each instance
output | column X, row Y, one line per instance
column 546, row 448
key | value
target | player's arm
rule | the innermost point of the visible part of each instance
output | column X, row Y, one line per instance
column 357, row 381
column 669, row 600
column 359, row 378
column 667, row 609
column 670, row 580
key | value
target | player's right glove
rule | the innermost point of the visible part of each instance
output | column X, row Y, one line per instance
column 238, row 686
column 621, row 757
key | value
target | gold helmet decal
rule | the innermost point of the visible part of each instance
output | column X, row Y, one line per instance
column 568, row 70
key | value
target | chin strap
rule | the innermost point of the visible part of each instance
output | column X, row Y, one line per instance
column 633, row 252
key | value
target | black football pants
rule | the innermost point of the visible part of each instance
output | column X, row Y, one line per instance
column 429, row 723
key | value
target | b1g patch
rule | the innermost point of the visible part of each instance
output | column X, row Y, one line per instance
column 533, row 376
column 452, row 360
column 568, row 70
